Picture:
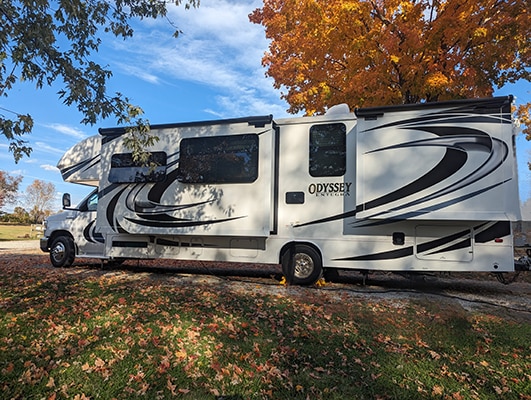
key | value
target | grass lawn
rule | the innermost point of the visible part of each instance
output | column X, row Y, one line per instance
column 15, row 232
column 84, row 333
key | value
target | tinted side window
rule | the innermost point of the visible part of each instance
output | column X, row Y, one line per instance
column 219, row 159
column 125, row 170
column 328, row 153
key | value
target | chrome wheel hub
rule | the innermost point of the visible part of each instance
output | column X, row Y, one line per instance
column 58, row 252
column 303, row 265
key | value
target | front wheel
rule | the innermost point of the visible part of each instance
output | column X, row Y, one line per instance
column 302, row 265
column 62, row 252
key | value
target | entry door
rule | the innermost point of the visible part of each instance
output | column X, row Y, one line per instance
column 314, row 181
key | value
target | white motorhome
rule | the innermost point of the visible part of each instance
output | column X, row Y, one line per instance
column 424, row 187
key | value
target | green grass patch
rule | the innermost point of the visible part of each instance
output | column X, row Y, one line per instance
column 15, row 232
column 120, row 335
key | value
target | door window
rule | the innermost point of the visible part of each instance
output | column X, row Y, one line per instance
column 328, row 150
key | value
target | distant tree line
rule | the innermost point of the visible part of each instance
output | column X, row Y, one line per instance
column 38, row 200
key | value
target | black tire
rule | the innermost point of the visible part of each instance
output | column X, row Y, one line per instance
column 302, row 265
column 62, row 252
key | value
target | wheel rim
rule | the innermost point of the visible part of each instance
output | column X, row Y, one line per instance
column 58, row 252
column 304, row 265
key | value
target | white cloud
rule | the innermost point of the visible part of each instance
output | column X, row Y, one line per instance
column 249, row 104
column 138, row 73
column 4, row 152
column 226, row 23
column 67, row 130
column 46, row 148
column 48, row 167
column 219, row 48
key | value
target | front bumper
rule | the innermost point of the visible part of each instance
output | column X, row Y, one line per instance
column 44, row 244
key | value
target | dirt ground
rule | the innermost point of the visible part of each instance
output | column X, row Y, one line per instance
column 470, row 292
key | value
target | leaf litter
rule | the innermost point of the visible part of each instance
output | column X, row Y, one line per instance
column 69, row 333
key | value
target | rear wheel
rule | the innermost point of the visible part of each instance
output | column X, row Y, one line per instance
column 62, row 252
column 302, row 265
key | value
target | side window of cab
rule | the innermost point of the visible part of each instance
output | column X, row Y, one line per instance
column 92, row 202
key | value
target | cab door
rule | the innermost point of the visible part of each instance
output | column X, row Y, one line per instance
column 83, row 224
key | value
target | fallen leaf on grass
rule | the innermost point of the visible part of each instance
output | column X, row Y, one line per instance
column 171, row 387
column 51, row 383
column 81, row 397
column 7, row 370
column 437, row 390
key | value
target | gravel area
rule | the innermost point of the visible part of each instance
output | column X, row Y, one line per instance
column 26, row 246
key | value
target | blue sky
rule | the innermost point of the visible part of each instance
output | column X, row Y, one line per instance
column 213, row 70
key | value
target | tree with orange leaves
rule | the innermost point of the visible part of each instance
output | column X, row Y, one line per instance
column 376, row 52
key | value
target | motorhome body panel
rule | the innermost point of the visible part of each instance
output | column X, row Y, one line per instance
column 443, row 161
column 399, row 246
column 216, row 180
column 425, row 246
column 82, row 162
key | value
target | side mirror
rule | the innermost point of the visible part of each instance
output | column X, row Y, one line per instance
column 66, row 200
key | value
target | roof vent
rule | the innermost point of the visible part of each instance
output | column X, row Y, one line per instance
column 338, row 109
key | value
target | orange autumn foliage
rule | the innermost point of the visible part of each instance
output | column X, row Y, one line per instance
column 376, row 52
